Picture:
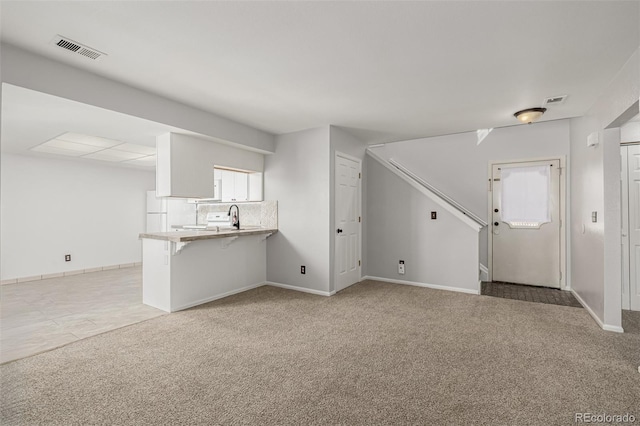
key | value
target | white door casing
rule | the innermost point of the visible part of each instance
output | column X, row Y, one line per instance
column 347, row 220
column 633, row 158
column 530, row 256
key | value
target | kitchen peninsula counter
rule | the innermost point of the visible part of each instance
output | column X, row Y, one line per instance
column 186, row 268
column 205, row 234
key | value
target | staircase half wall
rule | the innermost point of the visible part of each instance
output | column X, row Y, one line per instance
column 439, row 253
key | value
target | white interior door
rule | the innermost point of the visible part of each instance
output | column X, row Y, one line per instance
column 624, row 222
column 348, row 221
column 633, row 161
column 526, row 251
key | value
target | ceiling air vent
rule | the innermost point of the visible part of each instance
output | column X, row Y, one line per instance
column 78, row 48
column 554, row 100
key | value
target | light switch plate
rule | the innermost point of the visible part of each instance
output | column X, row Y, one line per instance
column 594, row 217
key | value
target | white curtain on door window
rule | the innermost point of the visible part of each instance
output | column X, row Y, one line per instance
column 525, row 195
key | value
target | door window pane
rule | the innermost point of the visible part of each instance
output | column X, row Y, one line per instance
column 525, row 196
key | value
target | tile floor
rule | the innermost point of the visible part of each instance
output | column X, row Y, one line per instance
column 631, row 321
column 529, row 293
column 40, row 315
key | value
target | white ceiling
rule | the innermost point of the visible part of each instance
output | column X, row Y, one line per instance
column 386, row 70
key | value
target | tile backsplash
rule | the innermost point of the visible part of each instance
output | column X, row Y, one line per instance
column 269, row 217
column 264, row 214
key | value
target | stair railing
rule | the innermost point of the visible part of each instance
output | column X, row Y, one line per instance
column 430, row 191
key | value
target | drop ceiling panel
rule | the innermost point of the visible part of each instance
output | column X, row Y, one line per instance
column 88, row 140
column 58, row 151
column 148, row 161
column 72, row 146
column 138, row 149
column 113, row 155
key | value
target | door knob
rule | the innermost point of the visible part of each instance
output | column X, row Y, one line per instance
column 496, row 223
column 339, row 231
column 495, row 210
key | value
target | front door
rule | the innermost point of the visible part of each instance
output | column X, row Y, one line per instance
column 348, row 220
column 525, row 223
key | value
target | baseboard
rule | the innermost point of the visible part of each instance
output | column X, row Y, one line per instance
column 602, row 325
column 613, row 328
column 216, row 297
column 417, row 284
column 68, row 273
column 302, row 289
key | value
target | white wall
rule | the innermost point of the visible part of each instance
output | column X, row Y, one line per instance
column 54, row 207
column 25, row 69
column 587, row 238
column 297, row 175
column 630, row 132
column 595, row 181
column 300, row 176
column 612, row 227
column 441, row 252
column 458, row 166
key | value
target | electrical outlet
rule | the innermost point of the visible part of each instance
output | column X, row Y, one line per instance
column 303, row 269
column 67, row 258
column 401, row 267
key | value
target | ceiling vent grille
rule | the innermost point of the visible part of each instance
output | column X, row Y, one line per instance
column 554, row 100
column 78, row 48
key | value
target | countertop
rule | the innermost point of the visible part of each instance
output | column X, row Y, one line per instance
column 195, row 235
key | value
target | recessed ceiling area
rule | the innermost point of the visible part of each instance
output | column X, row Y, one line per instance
column 35, row 123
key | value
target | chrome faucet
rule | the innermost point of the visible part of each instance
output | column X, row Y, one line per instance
column 235, row 219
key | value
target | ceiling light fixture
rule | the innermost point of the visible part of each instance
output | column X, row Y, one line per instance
column 529, row 115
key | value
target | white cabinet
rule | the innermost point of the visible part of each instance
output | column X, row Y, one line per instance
column 182, row 170
column 234, row 185
column 255, row 186
column 240, row 186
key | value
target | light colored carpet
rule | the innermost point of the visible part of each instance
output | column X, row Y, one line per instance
column 375, row 353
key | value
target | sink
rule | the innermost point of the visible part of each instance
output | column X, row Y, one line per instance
column 231, row 228
column 215, row 228
column 190, row 227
